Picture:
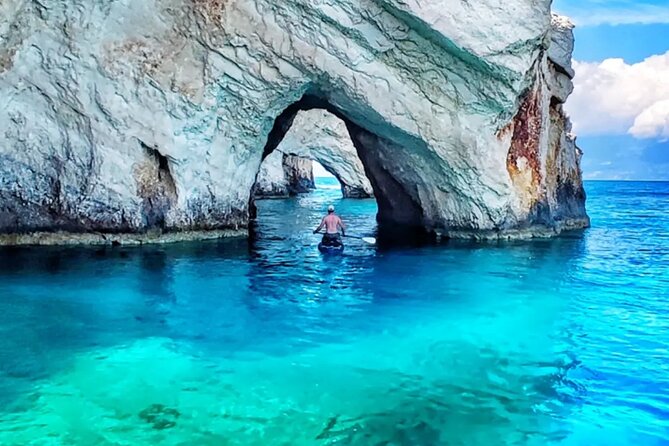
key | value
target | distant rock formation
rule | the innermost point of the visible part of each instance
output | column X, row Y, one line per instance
column 299, row 173
column 272, row 181
column 130, row 116
column 283, row 175
column 322, row 137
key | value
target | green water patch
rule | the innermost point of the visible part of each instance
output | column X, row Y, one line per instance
column 396, row 387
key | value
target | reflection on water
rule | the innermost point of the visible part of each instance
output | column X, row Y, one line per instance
column 551, row 341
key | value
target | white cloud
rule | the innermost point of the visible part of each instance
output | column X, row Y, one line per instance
column 613, row 97
column 653, row 121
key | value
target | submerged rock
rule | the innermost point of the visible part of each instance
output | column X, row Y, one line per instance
column 160, row 416
column 125, row 116
column 319, row 136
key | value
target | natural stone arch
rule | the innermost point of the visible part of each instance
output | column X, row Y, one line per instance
column 454, row 108
column 322, row 137
column 397, row 205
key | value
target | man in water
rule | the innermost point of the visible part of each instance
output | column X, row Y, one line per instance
column 332, row 224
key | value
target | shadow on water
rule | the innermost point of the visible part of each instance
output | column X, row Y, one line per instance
column 56, row 301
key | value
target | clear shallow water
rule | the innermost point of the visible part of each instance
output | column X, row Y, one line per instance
column 547, row 342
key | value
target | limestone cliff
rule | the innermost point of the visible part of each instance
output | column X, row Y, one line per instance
column 130, row 115
column 319, row 136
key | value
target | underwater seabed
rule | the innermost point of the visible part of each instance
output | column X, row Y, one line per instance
column 397, row 387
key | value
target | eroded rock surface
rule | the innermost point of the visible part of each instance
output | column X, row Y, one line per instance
column 322, row 137
column 272, row 181
column 130, row 115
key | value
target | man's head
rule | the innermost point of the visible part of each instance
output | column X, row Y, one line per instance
column 330, row 209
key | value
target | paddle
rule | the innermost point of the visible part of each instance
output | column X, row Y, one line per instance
column 370, row 240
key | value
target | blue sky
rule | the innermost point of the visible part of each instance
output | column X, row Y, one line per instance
column 620, row 108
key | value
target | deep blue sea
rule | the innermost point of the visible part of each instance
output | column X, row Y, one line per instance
column 231, row 342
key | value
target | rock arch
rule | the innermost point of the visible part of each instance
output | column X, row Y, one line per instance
column 455, row 112
column 379, row 156
column 319, row 136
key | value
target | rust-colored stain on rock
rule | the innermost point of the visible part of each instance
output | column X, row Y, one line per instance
column 7, row 59
column 211, row 9
column 524, row 151
column 504, row 131
column 137, row 53
column 555, row 137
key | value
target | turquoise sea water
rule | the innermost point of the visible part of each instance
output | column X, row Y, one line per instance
column 228, row 343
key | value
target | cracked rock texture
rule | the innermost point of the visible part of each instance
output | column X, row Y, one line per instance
column 136, row 115
column 319, row 136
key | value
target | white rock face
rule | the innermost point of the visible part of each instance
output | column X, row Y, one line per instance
column 126, row 115
column 272, row 180
column 299, row 174
column 319, row 136
column 562, row 44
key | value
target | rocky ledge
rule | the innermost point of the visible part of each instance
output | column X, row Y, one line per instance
column 132, row 116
